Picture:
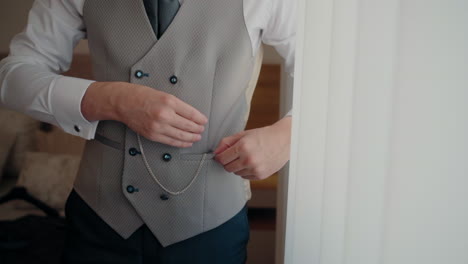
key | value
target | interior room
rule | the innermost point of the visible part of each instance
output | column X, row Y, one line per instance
column 39, row 161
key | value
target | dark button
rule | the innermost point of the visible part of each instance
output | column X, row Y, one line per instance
column 130, row 189
column 133, row 151
column 173, row 79
column 164, row 197
column 139, row 74
column 77, row 128
column 167, row 157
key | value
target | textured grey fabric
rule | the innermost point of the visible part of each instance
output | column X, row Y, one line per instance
column 207, row 47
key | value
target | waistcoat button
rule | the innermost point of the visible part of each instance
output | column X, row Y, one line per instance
column 133, row 151
column 164, row 197
column 173, row 79
column 130, row 189
column 139, row 74
column 167, row 157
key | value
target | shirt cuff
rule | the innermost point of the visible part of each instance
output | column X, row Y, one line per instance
column 66, row 95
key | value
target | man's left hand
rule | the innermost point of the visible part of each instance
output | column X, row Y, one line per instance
column 258, row 153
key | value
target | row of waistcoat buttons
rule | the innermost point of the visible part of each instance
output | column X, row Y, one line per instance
column 132, row 189
column 166, row 157
column 140, row 74
column 133, row 151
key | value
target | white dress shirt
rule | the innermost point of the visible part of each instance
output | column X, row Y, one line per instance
column 31, row 80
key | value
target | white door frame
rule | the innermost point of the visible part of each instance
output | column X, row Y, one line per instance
column 378, row 169
column 327, row 105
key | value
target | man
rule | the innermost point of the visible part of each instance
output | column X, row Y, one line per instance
column 164, row 174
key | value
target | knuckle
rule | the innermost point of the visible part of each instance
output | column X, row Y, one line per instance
column 158, row 114
column 200, row 128
column 221, row 160
column 156, row 137
column 230, row 168
column 154, row 128
column 257, row 171
column 186, row 145
column 243, row 146
column 173, row 142
column 162, row 115
column 168, row 99
column 249, row 161
column 187, row 126
column 191, row 114
column 195, row 137
column 224, row 141
column 180, row 135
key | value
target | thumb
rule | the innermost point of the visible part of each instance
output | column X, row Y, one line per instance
column 227, row 142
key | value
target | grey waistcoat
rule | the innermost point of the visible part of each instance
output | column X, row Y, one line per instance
column 205, row 59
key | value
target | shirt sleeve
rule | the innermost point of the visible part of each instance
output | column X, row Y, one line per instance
column 280, row 32
column 30, row 77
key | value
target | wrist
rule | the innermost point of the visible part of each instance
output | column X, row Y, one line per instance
column 283, row 127
column 102, row 101
column 284, row 123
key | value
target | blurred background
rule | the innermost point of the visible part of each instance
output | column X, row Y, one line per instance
column 43, row 159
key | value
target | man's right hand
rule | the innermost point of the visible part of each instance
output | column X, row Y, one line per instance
column 155, row 115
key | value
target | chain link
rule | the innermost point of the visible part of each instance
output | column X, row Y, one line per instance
column 156, row 179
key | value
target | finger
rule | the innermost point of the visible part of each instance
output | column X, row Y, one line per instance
column 234, row 166
column 227, row 142
column 183, row 123
column 172, row 142
column 244, row 173
column 181, row 135
column 189, row 112
column 228, row 155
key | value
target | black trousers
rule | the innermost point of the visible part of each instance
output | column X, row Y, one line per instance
column 91, row 240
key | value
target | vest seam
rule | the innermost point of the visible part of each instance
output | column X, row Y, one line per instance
column 211, row 101
column 247, row 29
column 83, row 16
column 98, row 182
column 209, row 137
column 204, row 198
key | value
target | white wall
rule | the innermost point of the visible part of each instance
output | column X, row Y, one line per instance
column 381, row 172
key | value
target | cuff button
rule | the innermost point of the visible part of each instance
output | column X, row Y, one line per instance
column 77, row 128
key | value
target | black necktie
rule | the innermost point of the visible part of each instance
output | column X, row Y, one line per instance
column 161, row 13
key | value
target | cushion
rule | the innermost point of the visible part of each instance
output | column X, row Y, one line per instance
column 49, row 177
column 15, row 139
